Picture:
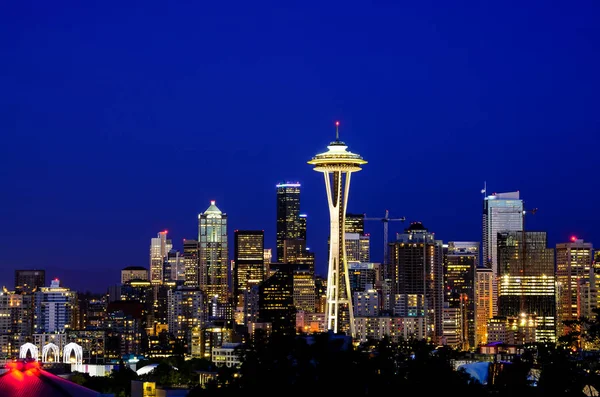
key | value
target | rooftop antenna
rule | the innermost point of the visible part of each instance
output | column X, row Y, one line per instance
column 484, row 190
column 337, row 131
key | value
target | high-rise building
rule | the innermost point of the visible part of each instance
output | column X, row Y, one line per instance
column 276, row 301
column 53, row 308
column 191, row 262
column 527, row 281
column 416, row 269
column 337, row 165
column 484, row 303
column 16, row 313
column 460, row 265
column 174, row 267
column 29, row 280
column 159, row 249
column 186, row 312
column 501, row 212
column 296, row 252
column 290, row 224
column 214, row 274
column 248, row 257
column 134, row 273
column 358, row 247
column 355, row 223
column 574, row 272
column 268, row 259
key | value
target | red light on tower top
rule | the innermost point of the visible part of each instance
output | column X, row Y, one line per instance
column 337, row 123
column 573, row 238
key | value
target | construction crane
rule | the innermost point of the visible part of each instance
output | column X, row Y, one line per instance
column 386, row 219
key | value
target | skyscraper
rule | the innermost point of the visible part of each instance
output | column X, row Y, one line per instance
column 460, row 264
column 355, row 223
column 248, row 257
column 526, row 281
column 501, row 212
column 337, row 165
column 53, row 308
column 185, row 313
column 159, row 249
column 213, row 272
column 191, row 262
column 291, row 225
column 483, row 306
column 416, row 270
column 574, row 274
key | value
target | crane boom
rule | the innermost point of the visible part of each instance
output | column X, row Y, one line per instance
column 386, row 219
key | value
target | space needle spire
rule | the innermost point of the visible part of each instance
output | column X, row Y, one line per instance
column 337, row 165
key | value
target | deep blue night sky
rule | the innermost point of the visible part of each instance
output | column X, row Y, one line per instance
column 121, row 119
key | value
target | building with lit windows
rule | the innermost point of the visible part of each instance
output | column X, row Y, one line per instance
column 16, row 313
column 416, row 270
column 248, row 264
column 363, row 275
column 29, row 280
column 214, row 260
column 53, row 308
column 228, row 355
column 134, row 273
column 185, row 312
column 355, row 223
column 366, row 303
column 484, row 303
column 395, row 328
column 527, row 281
column 276, row 301
column 460, row 263
column 191, row 262
column 501, row 212
column 159, row 249
column 174, row 267
column 573, row 274
column 291, row 225
column 296, row 252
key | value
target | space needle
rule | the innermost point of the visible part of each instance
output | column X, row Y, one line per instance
column 337, row 165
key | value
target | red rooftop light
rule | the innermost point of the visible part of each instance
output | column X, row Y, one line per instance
column 573, row 238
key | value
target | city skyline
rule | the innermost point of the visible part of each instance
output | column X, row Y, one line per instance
column 134, row 124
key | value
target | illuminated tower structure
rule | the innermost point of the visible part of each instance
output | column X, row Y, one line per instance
column 213, row 253
column 337, row 165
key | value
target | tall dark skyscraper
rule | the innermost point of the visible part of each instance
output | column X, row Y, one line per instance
column 416, row 269
column 526, row 280
column 291, row 225
column 28, row 280
column 460, row 265
column 276, row 301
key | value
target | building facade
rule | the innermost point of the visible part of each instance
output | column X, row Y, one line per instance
column 214, row 260
column 501, row 212
column 527, row 280
column 416, row 270
column 574, row 276
column 291, row 225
